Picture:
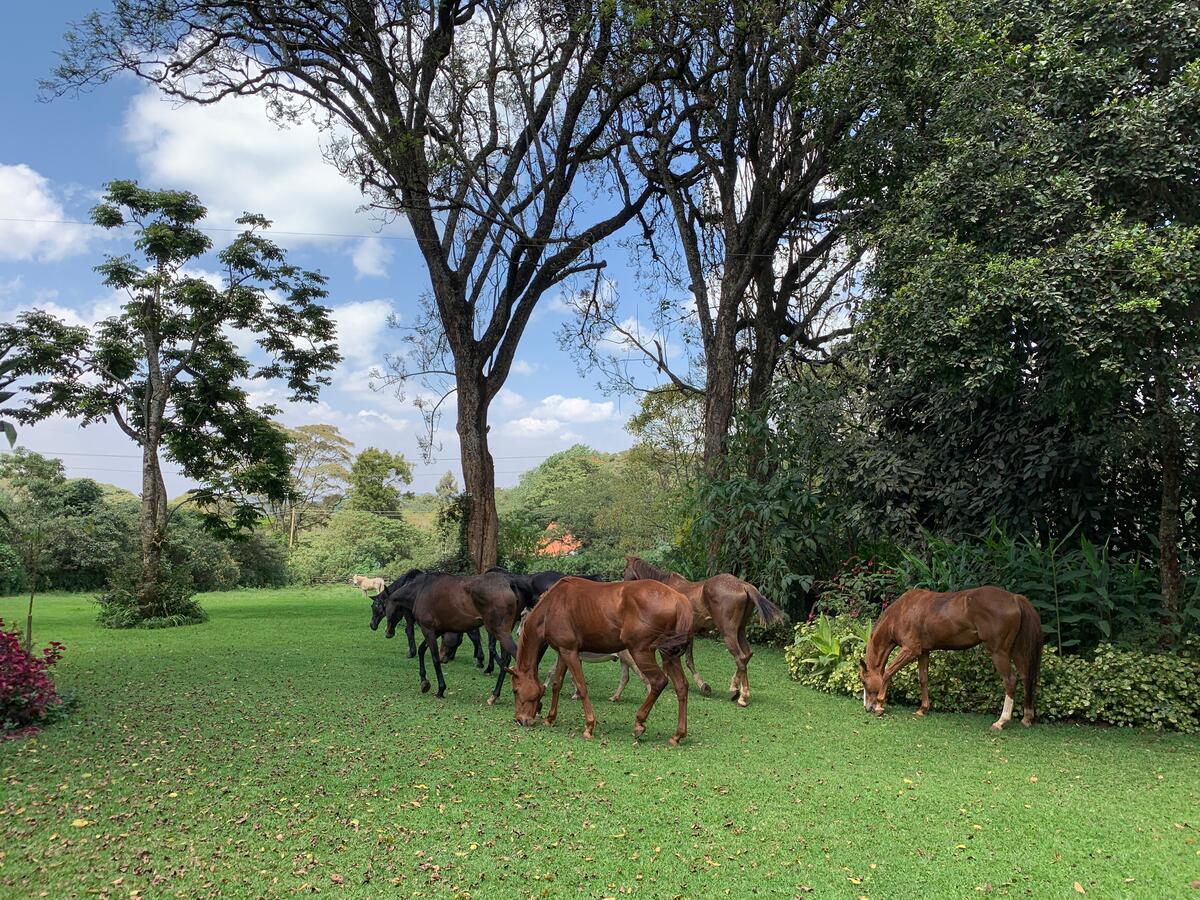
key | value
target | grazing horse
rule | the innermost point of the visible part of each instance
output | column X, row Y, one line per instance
column 724, row 603
column 576, row 616
column 441, row 603
column 622, row 656
column 366, row 584
column 921, row 621
column 377, row 611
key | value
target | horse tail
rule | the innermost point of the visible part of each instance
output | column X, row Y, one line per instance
column 768, row 612
column 1029, row 647
column 673, row 643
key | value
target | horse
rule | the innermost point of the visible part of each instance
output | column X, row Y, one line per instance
column 622, row 656
column 366, row 584
column 441, row 603
column 578, row 615
column 723, row 602
column 377, row 610
column 920, row 621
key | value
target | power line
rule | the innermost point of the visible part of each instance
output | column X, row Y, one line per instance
column 139, row 456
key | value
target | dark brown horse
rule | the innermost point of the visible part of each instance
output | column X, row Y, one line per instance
column 722, row 602
column 577, row 616
column 441, row 603
column 920, row 621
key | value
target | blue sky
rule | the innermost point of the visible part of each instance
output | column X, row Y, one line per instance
column 54, row 159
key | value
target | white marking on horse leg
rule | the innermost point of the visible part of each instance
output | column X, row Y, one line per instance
column 1006, row 714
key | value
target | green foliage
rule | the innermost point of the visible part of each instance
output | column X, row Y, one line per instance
column 1112, row 685
column 375, row 479
column 119, row 603
column 353, row 543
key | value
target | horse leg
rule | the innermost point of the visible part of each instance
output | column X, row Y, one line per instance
column 923, row 673
column 739, row 688
column 421, row 663
column 437, row 664
column 658, row 680
column 675, row 672
column 508, row 650
column 410, row 626
column 493, row 657
column 701, row 685
column 560, row 671
column 1003, row 664
column 571, row 659
column 746, row 652
column 473, row 634
column 624, row 680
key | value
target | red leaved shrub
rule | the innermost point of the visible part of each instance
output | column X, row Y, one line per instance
column 27, row 695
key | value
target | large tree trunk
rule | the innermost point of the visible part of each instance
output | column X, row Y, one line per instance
column 1170, row 574
column 479, row 472
column 720, row 386
column 153, row 527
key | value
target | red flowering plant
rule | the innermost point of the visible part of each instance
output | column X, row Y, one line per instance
column 27, row 695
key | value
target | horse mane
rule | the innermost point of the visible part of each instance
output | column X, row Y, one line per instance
column 644, row 569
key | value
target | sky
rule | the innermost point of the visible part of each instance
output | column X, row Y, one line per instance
column 54, row 160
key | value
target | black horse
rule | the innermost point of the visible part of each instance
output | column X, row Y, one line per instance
column 441, row 603
column 377, row 613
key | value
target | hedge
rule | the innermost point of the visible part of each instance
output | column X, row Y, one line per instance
column 1112, row 685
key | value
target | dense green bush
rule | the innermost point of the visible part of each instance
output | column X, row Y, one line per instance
column 118, row 601
column 354, row 542
column 1113, row 685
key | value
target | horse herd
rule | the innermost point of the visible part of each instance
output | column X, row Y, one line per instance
column 654, row 615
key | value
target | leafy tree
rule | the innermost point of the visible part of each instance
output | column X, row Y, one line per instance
column 481, row 121
column 447, row 487
column 166, row 369
column 319, row 475
column 375, row 480
column 1033, row 345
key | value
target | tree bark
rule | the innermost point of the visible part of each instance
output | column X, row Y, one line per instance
column 479, row 472
column 1170, row 573
column 153, row 528
column 720, row 385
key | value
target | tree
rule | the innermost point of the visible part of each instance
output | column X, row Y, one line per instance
column 1033, row 343
column 739, row 145
column 447, row 487
column 479, row 120
column 374, row 481
column 166, row 370
column 319, row 474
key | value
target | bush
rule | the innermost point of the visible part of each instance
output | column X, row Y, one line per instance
column 353, row 543
column 177, row 606
column 27, row 695
column 1114, row 685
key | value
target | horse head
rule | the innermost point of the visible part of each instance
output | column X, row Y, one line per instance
column 528, row 691
column 874, row 688
column 377, row 610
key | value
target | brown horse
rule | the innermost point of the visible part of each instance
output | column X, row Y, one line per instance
column 441, row 603
column 577, row 616
column 921, row 621
column 722, row 602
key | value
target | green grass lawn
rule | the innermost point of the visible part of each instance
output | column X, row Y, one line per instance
column 284, row 748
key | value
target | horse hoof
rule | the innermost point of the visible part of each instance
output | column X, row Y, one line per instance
column 996, row 726
column 491, row 700
column 587, row 734
column 920, row 712
column 706, row 690
column 549, row 720
column 425, row 687
column 733, row 695
column 1027, row 722
column 441, row 694
column 674, row 742
column 412, row 653
column 743, row 703
column 614, row 699
column 638, row 731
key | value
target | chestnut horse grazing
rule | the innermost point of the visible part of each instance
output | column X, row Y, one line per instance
column 921, row 621
column 722, row 602
column 577, row 616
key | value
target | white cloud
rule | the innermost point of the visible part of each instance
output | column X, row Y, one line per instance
column 360, row 330
column 371, row 258
column 237, row 160
column 575, row 409
column 371, row 417
column 532, row 426
column 29, row 196
column 521, row 367
column 509, row 400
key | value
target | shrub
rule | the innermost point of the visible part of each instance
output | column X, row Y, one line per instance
column 177, row 606
column 261, row 559
column 1113, row 685
column 354, row 542
column 859, row 588
column 27, row 695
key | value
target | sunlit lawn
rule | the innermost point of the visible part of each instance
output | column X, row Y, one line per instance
column 283, row 747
